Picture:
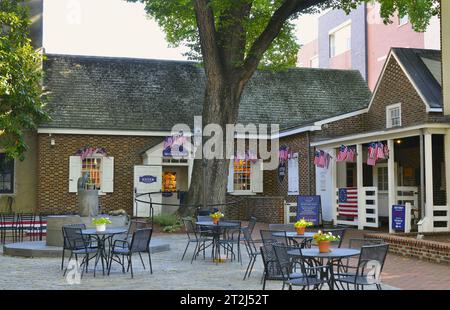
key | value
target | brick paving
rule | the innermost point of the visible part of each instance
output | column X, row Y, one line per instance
column 172, row 273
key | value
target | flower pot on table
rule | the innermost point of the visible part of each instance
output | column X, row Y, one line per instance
column 300, row 230
column 324, row 246
column 216, row 220
column 101, row 227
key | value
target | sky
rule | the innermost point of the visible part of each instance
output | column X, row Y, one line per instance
column 117, row 28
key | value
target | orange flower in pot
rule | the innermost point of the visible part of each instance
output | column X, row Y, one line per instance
column 216, row 217
column 323, row 241
column 301, row 225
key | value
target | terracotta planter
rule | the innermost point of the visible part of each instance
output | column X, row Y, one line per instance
column 324, row 246
column 216, row 220
column 300, row 230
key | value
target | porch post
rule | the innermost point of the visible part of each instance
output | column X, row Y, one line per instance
column 429, row 203
column 447, row 171
column 392, row 186
column 360, row 186
column 334, row 186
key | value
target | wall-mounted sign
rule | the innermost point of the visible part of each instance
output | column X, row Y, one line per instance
column 147, row 179
column 309, row 208
column 398, row 217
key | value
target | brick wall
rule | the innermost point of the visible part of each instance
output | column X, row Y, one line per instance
column 53, row 172
column 433, row 251
column 297, row 144
column 266, row 209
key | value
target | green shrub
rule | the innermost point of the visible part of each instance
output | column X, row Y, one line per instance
column 166, row 220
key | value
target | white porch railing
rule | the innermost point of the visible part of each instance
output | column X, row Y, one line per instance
column 370, row 201
column 443, row 217
column 290, row 212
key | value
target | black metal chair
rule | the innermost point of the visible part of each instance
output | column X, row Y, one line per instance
column 40, row 226
column 8, row 223
column 271, row 268
column 232, row 237
column 140, row 243
column 205, row 231
column 274, row 236
column 194, row 236
column 250, row 227
column 25, row 225
column 66, row 243
column 311, row 275
column 368, row 269
column 356, row 243
column 340, row 232
column 252, row 250
column 77, row 244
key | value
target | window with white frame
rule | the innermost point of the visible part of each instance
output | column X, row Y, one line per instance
column 242, row 175
column 100, row 169
column 394, row 115
column 93, row 166
column 314, row 62
column 6, row 174
column 340, row 39
column 245, row 177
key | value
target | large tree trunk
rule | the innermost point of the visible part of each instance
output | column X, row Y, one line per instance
column 210, row 176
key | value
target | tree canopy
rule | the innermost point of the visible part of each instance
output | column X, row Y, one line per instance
column 21, row 106
column 178, row 20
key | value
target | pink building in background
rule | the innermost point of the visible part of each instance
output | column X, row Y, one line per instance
column 361, row 41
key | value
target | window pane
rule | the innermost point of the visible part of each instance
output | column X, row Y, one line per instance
column 242, row 170
column 92, row 165
column 6, row 174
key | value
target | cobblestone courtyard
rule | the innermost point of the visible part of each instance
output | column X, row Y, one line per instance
column 172, row 273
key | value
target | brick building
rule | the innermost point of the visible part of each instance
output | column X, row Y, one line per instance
column 118, row 111
column 405, row 114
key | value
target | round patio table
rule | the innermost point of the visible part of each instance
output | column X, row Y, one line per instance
column 292, row 235
column 217, row 230
column 335, row 255
column 102, row 237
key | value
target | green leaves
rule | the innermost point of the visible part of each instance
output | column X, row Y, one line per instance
column 21, row 106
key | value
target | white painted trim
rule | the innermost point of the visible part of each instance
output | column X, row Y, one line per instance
column 295, row 131
column 388, row 115
column 429, row 203
column 435, row 110
column 340, row 26
column 367, row 137
column 340, row 117
column 359, row 182
column 392, row 181
column 242, row 193
column 105, row 132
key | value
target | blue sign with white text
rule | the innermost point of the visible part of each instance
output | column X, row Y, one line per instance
column 309, row 208
column 398, row 217
column 147, row 179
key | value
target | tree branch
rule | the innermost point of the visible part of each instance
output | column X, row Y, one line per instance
column 208, row 37
column 272, row 30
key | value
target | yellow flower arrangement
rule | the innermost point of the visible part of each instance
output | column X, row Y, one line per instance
column 216, row 215
column 303, row 223
column 320, row 236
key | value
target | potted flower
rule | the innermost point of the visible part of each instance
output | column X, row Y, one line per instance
column 216, row 216
column 100, row 223
column 323, row 240
column 301, row 225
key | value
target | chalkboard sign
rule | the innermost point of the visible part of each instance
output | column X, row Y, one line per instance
column 309, row 208
column 398, row 217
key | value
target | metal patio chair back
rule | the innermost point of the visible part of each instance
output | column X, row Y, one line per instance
column 25, row 224
column 271, row 269
column 251, row 224
column 285, row 227
column 141, row 240
column 340, row 232
column 274, row 236
column 8, row 223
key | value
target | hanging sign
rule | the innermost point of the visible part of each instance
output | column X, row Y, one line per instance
column 309, row 208
column 293, row 184
column 398, row 217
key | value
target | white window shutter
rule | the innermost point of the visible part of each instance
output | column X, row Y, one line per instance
column 257, row 176
column 230, row 184
column 107, row 185
column 74, row 173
